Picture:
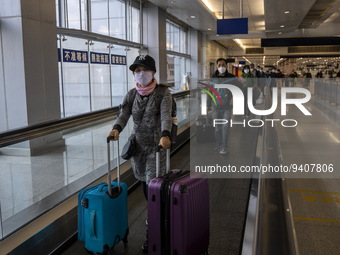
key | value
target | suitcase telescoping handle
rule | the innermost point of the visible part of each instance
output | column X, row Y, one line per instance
column 109, row 166
column 158, row 149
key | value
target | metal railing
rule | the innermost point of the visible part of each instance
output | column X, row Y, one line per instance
column 328, row 89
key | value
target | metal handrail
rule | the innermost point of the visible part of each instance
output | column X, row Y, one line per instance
column 45, row 128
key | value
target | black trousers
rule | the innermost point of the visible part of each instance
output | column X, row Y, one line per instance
column 145, row 190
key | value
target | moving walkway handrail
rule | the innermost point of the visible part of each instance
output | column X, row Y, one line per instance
column 45, row 128
column 250, row 243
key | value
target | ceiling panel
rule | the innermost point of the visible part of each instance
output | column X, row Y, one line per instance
column 265, row 18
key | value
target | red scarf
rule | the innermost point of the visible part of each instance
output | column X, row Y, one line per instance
column 146, row 90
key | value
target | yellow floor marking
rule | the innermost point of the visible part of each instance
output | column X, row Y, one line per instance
column 313, row 219
column 318, row 192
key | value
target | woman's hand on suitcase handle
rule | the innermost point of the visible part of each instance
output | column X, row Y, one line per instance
column 165, row 143
column 114, row 134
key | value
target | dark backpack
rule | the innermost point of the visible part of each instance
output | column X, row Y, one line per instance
column 160, row 90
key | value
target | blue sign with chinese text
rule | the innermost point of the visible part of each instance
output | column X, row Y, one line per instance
column 75, row 56
column 118, row 59
column 99, row 58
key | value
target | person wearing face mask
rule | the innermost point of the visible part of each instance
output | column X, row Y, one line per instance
column 151, row 124
column 222, row 111
column 247, row 78
column 261, row 78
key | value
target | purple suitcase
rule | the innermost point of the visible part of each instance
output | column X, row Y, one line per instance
column 178, row 214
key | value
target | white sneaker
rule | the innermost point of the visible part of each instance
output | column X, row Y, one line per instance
column 224, row 151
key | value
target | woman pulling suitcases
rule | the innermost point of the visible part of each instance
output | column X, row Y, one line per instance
column 152, row 122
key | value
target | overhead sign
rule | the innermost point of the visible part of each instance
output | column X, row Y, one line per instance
column 299, row 41
column 232, row 26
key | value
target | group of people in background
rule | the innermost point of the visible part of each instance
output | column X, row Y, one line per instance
column 328, row 74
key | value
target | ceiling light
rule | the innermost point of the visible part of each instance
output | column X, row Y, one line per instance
column 287, row 12
column 282, row 26
column 193, row 17
column 238, row 41
column 280, row 33
column 215, row 9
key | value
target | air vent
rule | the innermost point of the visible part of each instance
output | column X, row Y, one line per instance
column 312, row 49
column 254, row 50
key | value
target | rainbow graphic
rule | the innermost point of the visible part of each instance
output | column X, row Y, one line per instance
column 210, row 94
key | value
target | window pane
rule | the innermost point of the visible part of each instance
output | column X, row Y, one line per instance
column 99, row 17
column 172, row 37
column 73, row 14
column 84, row 14
column 118, row 76
column 183, row 41
column 117, row 19
column 75, row 79
column 57, row 12
column 176, row 69
column 135, row 37
column 179, row 72
column 176, row 38
column 100, row 76
column 170, row 69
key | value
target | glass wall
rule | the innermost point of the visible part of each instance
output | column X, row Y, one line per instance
column 100, row 75
column 119, row 74
column 93, row 75
column 176, row 70
column 74, row 69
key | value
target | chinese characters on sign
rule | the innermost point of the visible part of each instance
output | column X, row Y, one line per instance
column 78, row 56
column 118, row 60
column 99, row 58
column 75, row 56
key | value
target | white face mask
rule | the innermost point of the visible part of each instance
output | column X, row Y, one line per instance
column 221, row 69
column 251, row 70
column 246, row 70
column 143, row 77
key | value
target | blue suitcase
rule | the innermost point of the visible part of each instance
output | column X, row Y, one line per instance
column 102, row 213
